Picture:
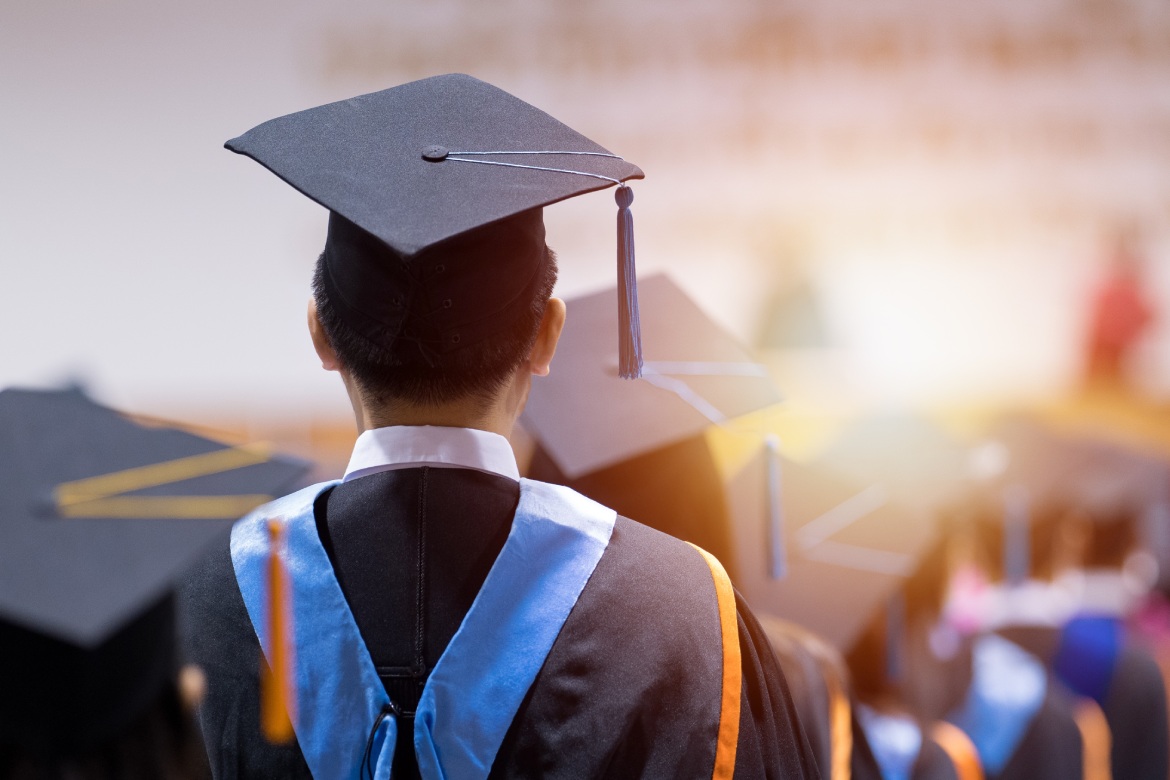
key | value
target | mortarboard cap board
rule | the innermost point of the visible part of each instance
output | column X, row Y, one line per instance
column 1108, row 478
column 695, row 375
column 849, row 547
column 100, row 516
column 1032, row 458
column 914, row 460
column 434, row 190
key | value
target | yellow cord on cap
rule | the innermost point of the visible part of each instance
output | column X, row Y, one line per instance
column 165, row 507
column 103, row 496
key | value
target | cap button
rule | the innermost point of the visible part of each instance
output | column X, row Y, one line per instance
column 435, row 153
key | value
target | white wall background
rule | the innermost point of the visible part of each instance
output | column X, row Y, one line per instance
column 943, row 172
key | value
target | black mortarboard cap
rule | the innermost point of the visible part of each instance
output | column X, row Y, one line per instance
column 99, row 517
column 695, row 375
column 849, row 546
column 913, row 459
column 1109, row 477
column 435, row 189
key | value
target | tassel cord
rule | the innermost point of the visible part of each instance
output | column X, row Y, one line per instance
column 629, row 319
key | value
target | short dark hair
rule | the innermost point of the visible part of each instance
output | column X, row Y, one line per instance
column 478, row 370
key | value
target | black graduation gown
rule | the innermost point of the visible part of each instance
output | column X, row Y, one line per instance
column 630, row 686
column 809, row 665
column 1135, row 706
column 806, row 682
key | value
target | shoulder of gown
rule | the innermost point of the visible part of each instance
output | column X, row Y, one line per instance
column 217, row 634
column 1135, row 708
column 632, row 685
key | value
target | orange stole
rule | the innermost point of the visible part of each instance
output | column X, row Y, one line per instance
column 728, row 738
column 1096, row 739
column 959, row 749
column 277, row 695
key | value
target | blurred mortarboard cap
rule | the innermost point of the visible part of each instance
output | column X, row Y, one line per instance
column 695, row 375
column 1022, row 454
column 849, row 547
column 1109, row 480
column 435, row 189
column 1069, row 471
column 913, row 459
column 100, row 516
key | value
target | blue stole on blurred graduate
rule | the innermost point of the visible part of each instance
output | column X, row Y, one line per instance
column 1087, row 655
column 1008, row 687
column 345, row 723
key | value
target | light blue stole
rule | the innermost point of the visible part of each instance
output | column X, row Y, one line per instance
column 344, row 722
column 895, row 741
column 1008, row 687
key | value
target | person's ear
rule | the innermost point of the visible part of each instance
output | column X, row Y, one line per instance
column 192, row 685
column 551, row 325
column 321, row 344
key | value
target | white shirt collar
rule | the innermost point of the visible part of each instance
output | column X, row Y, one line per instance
column 411, row 446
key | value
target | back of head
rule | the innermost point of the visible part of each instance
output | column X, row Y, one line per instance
column 423, row 330
column 1107, row 534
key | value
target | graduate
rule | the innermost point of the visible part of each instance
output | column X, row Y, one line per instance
column 1071, row 612
column 994, row 709
column 445, row 617
column 100, row 518
column 642, row 448
column 849, row 549
column 904, row 735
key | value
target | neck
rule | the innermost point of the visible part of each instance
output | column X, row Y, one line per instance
column 495, row 415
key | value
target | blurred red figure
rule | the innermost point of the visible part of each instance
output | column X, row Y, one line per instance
column 1121, row 313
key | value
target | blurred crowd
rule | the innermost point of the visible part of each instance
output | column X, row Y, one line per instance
column 987, row 600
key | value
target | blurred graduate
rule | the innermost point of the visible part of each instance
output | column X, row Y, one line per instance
column 100, row 519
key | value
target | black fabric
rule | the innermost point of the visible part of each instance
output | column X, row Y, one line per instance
column 1136, row 711
column 45, row 683
column 631, row 687
column 769, row 720
column 862, row 764
column 809, row 692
